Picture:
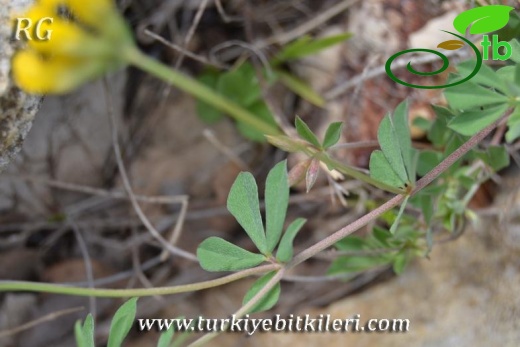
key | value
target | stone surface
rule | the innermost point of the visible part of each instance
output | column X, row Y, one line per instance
column 17, row 110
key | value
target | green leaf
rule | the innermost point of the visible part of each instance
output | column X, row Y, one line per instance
column 395, row 164
column 122, row 323
column 427, row 202
column 395, row 225
column 383, row 236
column 400, row 262
column 395, row 141
column 422, row 123
column 276, row 203
column 515, row 45
column 514, row 126
column 402, row 130
column 85, row 333
column 427, row 161
column 355, row 264
column 332, row 135
column 512, row 29
column 381, row 170
column 484, row 19
column 486, row 75
column 261, row 110
column 166, row 337
column 471, row 122
column 470, row 95
column 306, row 133
column 243, row 204
column 269, row 300
column 496, row 157
column 390, row 146
column 517, row 74
column 206, row 112
column 285, row 250
column 439, row 133
column 350, row 243
column 216, row 254
column 305, row 46
column 300, row 88
column 240, row 85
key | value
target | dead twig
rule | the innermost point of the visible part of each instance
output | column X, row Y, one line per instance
column 126, row 182
column 47, row 318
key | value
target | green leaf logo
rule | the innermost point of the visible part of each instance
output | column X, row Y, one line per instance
column 483, row 19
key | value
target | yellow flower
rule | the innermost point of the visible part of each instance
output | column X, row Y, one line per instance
column 85, row 39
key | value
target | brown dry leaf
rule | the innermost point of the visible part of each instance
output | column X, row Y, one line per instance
column 312, row 173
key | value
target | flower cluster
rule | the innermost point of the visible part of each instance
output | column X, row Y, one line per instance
column 87, row 39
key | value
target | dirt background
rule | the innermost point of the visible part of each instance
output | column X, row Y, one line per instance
column 65, row 218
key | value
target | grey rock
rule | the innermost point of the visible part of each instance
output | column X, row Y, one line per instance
column 17, row 109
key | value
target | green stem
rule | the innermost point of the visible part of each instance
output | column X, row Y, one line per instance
column 198, row 90
column 244, row 309
column 352, row 172
column 289, row 144
column 22, row 286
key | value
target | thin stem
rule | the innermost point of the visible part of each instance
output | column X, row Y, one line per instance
column 289, row 144
column 396, row 200
column 244, row 309
column 22, row 286
column 200, row 91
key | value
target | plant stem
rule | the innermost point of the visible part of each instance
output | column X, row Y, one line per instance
column 197, row 89
column 396, row 200
column 200, row 91
column 22, row 286
column 289, row 144
column 352, row 172
column 244, row 309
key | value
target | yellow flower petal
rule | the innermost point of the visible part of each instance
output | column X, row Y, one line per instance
column 67, row 38
column 58, row 75
column 91, row 12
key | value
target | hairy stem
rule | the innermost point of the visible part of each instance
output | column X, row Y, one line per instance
column 396, row 200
